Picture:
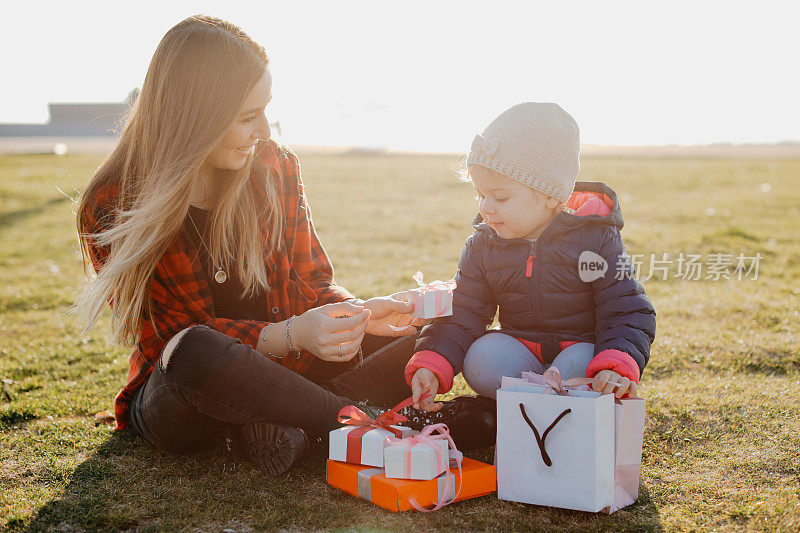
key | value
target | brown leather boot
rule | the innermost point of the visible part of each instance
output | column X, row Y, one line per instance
column 272, row 448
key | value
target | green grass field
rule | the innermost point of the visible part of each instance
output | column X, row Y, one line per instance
column 721, row 442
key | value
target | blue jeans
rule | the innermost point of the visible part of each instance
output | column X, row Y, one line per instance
column 495, row 355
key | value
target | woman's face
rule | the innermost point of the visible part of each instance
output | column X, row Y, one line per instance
column 250, row 126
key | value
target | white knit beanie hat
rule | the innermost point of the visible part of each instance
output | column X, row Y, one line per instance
column 534, row 143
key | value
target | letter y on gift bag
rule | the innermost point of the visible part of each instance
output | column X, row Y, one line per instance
column 540, row 439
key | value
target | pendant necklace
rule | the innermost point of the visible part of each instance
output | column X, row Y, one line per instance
column 221, row 276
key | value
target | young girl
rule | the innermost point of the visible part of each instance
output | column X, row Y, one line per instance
column 547, row 251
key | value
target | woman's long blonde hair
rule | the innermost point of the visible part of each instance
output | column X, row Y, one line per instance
column 200, row 75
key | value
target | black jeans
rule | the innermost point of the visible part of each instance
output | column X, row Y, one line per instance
column 211, row 380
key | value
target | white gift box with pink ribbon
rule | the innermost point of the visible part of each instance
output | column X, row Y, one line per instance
column 362, row 445
column 361, row 441
column 423, row 456
column 432, row 299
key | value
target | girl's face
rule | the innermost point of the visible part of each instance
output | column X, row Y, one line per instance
column 250, row 126
column 510, row 208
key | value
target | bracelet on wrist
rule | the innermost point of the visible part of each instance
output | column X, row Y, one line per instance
column 289, row 337
column 264, row 339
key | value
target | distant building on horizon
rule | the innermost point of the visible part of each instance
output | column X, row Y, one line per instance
column 76, row 120
column 83, row 120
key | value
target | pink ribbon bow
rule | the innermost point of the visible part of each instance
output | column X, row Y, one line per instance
column 552, row 378
column 351, row 415
column 448, row 285
column 427, row 436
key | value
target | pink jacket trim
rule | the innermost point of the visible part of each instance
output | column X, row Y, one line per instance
column 616, row 360
column 536, row 348
column 435, row 363
column 590, row 203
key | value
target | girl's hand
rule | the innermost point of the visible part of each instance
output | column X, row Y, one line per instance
column 425, row 380
column 601, row 384
column 394, row 310
column 330, row 338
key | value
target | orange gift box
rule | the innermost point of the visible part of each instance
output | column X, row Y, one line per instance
column 371, row 484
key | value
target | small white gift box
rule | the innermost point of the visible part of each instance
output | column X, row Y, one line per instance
column 414, row 459
column 433, row 299
column 362, row 444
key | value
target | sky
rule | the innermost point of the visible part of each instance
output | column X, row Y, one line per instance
column 430, row 75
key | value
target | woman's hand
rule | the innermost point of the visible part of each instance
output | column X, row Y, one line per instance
column 330, row 338
column 394, row 310
column 602, row 379
column 425, row 380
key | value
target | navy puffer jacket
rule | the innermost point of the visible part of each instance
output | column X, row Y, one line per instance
column 542, row 296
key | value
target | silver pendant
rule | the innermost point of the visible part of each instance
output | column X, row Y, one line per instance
column 220, row 276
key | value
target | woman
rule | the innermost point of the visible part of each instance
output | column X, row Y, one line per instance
column 202, row 242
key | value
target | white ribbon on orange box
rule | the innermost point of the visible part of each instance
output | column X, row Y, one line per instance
column 445, row 490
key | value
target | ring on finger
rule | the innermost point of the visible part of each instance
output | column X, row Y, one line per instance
column 339, row 348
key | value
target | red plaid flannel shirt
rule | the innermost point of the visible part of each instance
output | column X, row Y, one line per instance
column 300, row 275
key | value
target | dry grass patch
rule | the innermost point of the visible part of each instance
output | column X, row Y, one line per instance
column 721, row 442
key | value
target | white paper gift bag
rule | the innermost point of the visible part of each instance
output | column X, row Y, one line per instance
column 555, row 450
column 629, row 416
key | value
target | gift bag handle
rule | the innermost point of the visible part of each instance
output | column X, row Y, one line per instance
column 540, row 439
